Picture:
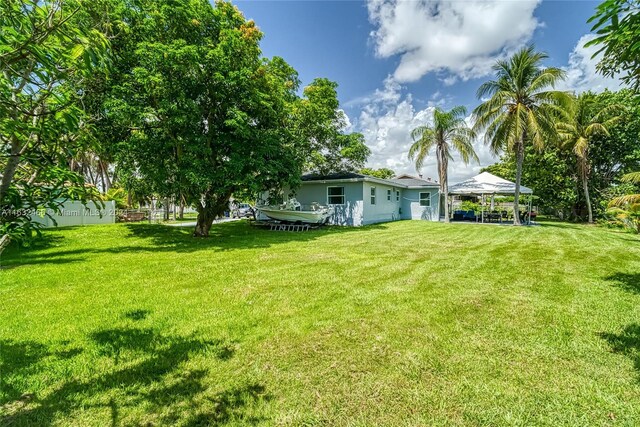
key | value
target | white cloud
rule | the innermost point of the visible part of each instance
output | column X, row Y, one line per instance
column 386, row 127
column 463, row 38
column 581, row 70
column 348, row 126
column 390, row 93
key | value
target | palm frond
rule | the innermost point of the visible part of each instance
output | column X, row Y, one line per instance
column 629, row 199
column 547, row 77
column 581, row 147
column 633, row 178
column 596, row 129
column 418, row 132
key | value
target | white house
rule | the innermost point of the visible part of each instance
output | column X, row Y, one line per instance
column 360, row 199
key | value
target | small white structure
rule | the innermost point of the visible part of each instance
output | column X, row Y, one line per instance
column 73, row 212
column 486, row 183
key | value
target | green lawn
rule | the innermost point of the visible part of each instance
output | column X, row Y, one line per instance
column 404, row 324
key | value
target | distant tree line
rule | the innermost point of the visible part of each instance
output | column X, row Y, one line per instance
column 558, row 175
column 579, row 153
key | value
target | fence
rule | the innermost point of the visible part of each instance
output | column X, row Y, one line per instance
column 75, row 213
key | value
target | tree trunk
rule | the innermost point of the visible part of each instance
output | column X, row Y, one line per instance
column 210, row 207
column 516, row 196
column 203, row 221
column 181, row 215
column 585, row 187
column 101, row 171
column 105, row 168
column 166, row 208
column 8, row 173
column 444, row 185
column 93, row 180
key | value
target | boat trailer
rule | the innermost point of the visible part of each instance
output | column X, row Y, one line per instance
column 285, row 226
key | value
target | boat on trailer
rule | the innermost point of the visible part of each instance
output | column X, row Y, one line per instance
column 292, row 212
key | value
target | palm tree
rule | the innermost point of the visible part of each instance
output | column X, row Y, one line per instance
column 627, row 208
column 582, row 124
column 449, row 132
column 629, row 199
column 521, row 109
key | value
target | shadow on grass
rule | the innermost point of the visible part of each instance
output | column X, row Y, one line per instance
column 627, row 343
column 236, row 235
column 561, row 224
column 136, row 314
column 137, row 371
column 630, row 282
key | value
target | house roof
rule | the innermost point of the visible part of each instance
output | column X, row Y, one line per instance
column 412, row 181
column 408, row 182
column 486, row 183
column 331, row 176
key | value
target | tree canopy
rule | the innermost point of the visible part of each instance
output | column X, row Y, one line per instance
column 187, row 107
column 554, row 173
column 617, row 25
column 383, row 173
column 521, row 109
column 45, row 55
column 448, row 133
column 321, row 125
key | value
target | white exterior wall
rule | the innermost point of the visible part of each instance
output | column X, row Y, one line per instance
column 411, row 208
column 384, row 210
column 75, row 213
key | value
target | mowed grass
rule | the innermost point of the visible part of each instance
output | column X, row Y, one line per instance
column 403, row 324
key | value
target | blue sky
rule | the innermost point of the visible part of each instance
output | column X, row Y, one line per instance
column 396, row 60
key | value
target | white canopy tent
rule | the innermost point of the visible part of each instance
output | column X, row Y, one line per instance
column 487, row 184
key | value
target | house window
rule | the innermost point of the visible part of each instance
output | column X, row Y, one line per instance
column 425, row 199
column 335, row 195
column 397, row 196
column 389, row 195
column 373, row 195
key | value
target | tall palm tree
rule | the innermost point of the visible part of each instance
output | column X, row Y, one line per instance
column 449, row 132
column 585, row 120
column 521, row 109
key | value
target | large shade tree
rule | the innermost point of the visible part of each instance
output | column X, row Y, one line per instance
column 585, row 119
column 191, row 110
column 520, row 109
column 449, row 133
column 210, row 116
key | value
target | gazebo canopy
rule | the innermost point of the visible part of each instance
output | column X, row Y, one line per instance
column 486, row 183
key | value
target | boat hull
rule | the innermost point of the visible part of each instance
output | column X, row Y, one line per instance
column 306, row 217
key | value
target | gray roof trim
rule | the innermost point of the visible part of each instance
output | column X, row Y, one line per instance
column 364, row 178
column 413, row 187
